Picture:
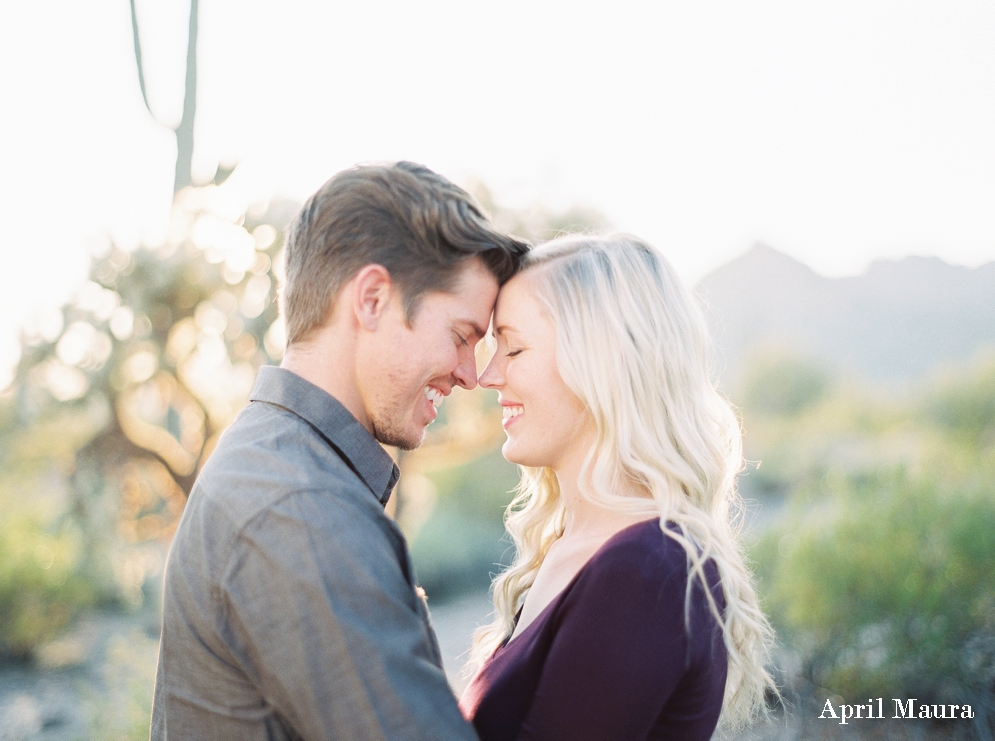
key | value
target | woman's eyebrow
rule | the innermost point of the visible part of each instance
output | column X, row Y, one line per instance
column 502, row 329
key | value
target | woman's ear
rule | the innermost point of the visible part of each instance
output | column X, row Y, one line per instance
column 371, row 291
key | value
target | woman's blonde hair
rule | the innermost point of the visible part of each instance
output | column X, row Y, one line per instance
column 632, row 344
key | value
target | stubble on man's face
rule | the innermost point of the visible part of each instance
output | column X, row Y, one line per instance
column 388, row 419
column 403, row 371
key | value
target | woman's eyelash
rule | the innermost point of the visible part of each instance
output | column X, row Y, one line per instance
column 513, row 353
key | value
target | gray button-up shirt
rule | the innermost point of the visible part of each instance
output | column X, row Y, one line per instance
column 289, row 605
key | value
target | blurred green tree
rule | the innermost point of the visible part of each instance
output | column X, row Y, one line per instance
column 539, row 223
column 133, row 380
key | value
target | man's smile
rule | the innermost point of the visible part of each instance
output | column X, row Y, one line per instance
column 433, row 395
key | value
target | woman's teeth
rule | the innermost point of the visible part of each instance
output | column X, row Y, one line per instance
column 433, row 395
column 513, row 411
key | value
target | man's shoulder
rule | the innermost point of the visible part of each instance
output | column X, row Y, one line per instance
column 272, row 480
column 270, row 451
column 267, row 455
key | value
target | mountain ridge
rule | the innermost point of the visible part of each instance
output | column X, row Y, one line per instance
column 898, row 320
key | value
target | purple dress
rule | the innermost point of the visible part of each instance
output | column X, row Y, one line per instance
column 609, row 658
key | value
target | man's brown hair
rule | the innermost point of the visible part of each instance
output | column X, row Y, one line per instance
column 409, row 219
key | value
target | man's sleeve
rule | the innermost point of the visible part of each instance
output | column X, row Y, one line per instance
column 325, row 622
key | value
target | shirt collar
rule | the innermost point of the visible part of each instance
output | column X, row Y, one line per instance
column 333, row 421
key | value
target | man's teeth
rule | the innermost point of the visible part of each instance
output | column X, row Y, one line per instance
column 433, row 395
column 512, row 411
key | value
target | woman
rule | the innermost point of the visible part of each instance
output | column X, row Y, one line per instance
column 628, row 612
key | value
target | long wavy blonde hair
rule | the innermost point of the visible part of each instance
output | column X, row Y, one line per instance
column 632, row 344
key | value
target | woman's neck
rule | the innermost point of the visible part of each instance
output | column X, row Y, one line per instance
column 584, row 519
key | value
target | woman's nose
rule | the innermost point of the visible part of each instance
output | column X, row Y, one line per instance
column 492, row 377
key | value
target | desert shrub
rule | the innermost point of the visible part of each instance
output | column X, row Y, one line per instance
column 119, row 703
column 783, row 384
column 455, row 554
column 463, row 542
column 41, row 584
column 964, row 404
column 886, row 583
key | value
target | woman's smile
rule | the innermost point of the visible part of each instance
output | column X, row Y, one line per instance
column 510, row 412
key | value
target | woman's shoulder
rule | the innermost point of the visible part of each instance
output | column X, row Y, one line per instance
column 642, row 568
column 641, row 553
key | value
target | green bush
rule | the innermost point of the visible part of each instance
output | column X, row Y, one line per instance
column 783, row 384
column 454, row 554
column 41, row 587
column 964, row 404
column 462, row 543
column 886, row 583
column 119, row 704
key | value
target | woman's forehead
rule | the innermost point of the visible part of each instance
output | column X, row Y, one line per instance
column 515, row 303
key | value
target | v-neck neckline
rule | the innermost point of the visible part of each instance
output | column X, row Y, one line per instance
column 541, row 617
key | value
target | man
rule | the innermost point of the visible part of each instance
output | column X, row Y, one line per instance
column 289, row 608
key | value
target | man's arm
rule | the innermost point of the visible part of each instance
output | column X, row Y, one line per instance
column 326, row 624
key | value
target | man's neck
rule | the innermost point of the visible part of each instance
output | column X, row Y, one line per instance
column 327, row 362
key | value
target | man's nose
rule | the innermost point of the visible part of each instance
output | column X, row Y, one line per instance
column 466, row 373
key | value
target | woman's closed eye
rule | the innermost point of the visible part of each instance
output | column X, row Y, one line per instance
column 513, row 353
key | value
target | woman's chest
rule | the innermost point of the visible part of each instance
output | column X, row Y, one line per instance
column 557, row 571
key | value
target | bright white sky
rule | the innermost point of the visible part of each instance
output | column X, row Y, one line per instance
column 836, row 132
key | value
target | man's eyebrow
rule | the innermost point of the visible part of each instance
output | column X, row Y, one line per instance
column 475, row 327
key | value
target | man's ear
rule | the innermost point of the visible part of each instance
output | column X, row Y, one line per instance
column 371, row 293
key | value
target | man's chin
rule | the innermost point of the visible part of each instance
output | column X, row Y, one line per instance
column 400, row 439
